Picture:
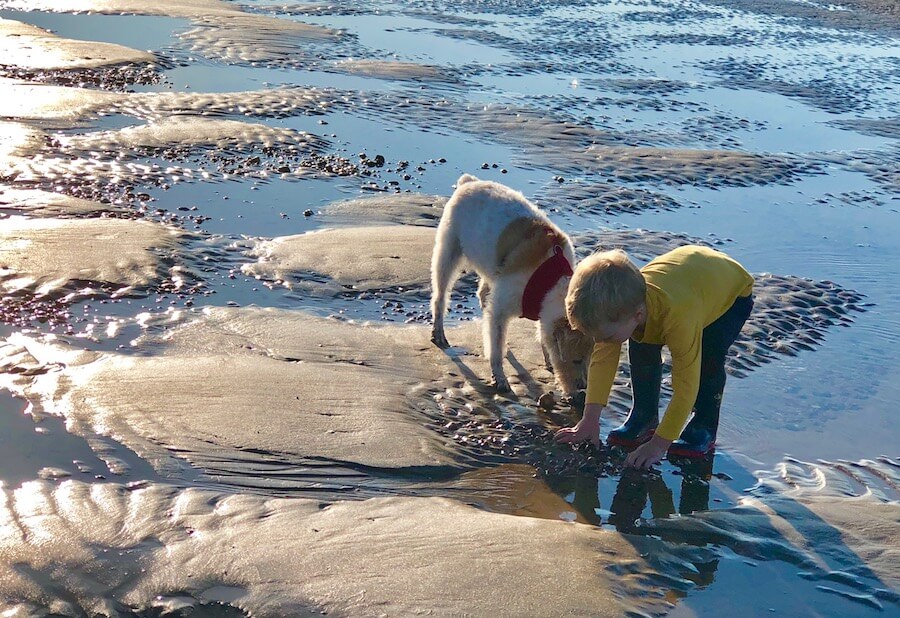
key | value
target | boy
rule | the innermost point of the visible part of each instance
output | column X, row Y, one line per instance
column 694, row 300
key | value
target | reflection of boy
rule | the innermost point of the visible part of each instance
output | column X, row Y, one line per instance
column 631, row 496
column 694, row 300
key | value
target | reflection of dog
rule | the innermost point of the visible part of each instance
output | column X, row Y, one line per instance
column 524, row 263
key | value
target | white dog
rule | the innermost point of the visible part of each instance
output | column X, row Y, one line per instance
column 524, row 263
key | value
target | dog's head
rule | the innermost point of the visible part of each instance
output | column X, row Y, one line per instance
column 573, row 349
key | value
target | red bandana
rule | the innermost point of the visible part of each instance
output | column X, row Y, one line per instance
column 545, row 277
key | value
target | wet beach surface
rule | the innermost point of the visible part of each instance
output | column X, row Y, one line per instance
column 216, row 230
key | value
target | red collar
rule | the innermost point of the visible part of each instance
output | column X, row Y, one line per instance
column 542, row 280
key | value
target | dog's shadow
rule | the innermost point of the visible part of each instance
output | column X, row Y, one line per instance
column 533, row 388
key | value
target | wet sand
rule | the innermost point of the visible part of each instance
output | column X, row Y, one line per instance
column 217, row 392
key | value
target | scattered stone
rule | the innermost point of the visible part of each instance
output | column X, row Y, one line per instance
column 547, row 401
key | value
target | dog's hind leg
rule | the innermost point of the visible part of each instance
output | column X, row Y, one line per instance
column 445, row 268
column 484, row 291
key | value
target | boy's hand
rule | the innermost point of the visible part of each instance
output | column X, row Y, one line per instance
column 588, row 428
column 648, row 453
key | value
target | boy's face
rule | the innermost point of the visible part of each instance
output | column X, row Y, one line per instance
column 617, row 332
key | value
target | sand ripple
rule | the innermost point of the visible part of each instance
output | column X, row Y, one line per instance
column 18, row 141
column 29, row 101
column 46, row 204
column 94, row 164
column 32, row 48
column 573, row 147
column 882, row 166
column 75, row 548
column 48, row 256
column 193, row 133
column 395, row 70
column 356, row 259
column 711, row 168
column 244, row 38
column 242, row 388
column 599, row 197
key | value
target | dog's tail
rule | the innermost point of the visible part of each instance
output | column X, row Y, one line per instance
column 464, row 179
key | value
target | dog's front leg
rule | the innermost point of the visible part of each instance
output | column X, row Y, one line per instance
column 495, row 342
column 566, row 372
column 445, row 263
column 548, row 361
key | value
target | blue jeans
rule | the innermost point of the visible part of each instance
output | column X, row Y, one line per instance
column 717, row 339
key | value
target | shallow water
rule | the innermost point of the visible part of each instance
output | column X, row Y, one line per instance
column 675, row 74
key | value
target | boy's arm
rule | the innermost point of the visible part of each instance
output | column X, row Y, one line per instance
column 601, row 373
column 685, row 346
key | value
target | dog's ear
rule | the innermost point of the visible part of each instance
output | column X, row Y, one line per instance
column 571, row 345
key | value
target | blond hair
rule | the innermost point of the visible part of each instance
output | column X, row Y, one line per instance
column 606, row 287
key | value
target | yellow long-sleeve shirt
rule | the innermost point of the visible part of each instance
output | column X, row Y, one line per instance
column 687, row 290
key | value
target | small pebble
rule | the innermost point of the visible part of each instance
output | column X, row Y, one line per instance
column 547, row 401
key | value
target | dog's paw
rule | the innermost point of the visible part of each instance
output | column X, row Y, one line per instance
column 501, row 385
column 440, row 340
column 576, row 400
